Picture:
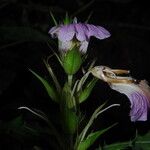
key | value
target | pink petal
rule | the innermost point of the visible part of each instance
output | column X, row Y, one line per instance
column 138, row 106
column 138, row 99
column 54, row 31
column 66, row 33
column 98, row 31
column 81, row 32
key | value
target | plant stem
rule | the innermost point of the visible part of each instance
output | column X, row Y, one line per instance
column 70, row 80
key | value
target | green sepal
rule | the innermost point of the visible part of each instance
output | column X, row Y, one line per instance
column 67, row 19
column 84, row 94
column 72, row 61
column 49, row 88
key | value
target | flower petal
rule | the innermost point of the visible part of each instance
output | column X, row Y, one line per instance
column 54, row 31
column 66, row 33
column 83, row 47
column 104, row 32
column 138, row 106
column 138, row 99
column 64, row 46
column 81, row 32
column 97, row 31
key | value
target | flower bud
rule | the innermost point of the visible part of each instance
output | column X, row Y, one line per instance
column 72, row 61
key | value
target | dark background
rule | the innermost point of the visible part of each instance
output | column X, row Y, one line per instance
column 24, row 26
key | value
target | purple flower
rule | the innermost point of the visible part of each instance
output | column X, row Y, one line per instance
column 77, row 33
column 138, row 93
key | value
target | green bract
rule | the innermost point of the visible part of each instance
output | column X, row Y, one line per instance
column 87, row 91
column 49, row 88
column 72, row 61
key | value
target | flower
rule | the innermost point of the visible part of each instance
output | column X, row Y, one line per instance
column 137, row 92
column 77, row 33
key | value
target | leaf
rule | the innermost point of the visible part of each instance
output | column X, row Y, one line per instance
column 96, row 113
column 53, row 18
column 140, row 143
column 49, row 88
column 117, row 146
column 87, row 91
column 84, row 78
column 85, row 144
column 55, row 80
column 143, row 142
column 51, row 128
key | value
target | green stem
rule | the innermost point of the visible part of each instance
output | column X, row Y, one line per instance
column 70, row 81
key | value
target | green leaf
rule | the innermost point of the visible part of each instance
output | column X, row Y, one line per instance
column 53, row 18
column 96, row 113
column 49, row 88
column 143, row 142
column 85, row 144
column 84, row 78
column 140, row 143
column 55, row 80
column 117, row 146
column 87, row 91
column 72, row 61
